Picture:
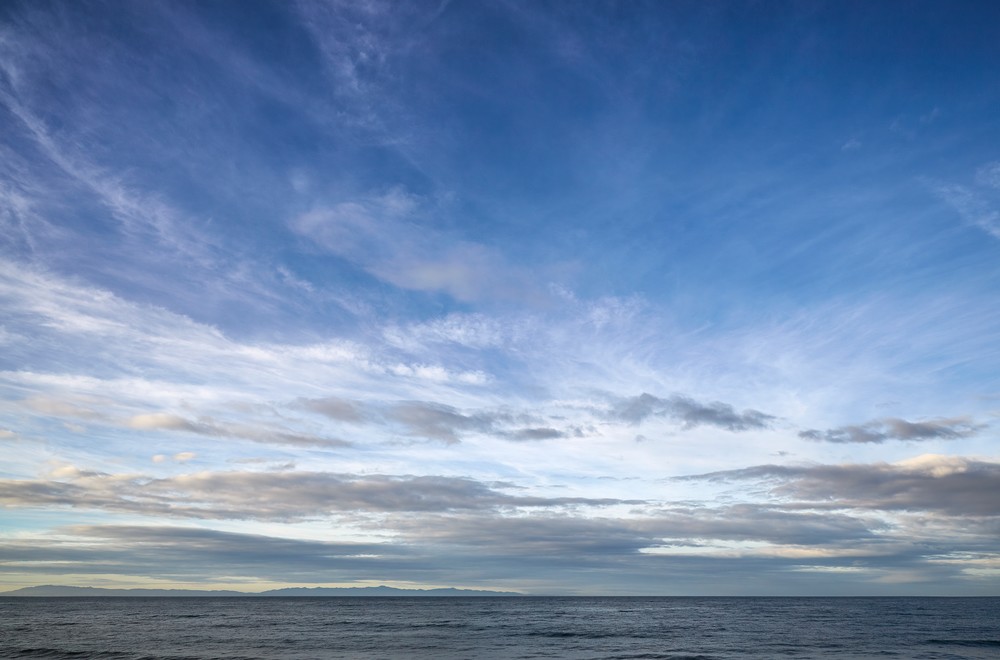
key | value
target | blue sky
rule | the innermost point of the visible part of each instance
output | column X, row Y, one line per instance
column 568, row 298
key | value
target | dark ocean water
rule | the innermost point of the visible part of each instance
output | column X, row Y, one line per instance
column 634, row 628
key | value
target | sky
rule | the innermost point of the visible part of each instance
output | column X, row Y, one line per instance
column 658, row 298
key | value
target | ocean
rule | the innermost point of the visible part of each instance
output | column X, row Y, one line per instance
column 499, row 628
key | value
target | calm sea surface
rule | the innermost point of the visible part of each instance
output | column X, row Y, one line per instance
column 500, row 628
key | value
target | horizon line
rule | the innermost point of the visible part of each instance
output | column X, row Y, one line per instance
column 236, row 593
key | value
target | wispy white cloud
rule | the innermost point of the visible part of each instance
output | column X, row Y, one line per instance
column 384, row 235
column 63, row 178
column 989, row 175
column 360, row 43
column 852, row 144
column 560, row 368
column 180, row 457
column 143, row 218
column 176, row 348
column 977, row 204
column 57, row 407
column 972, row 207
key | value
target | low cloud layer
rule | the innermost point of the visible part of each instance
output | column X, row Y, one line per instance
column 947, row 484
column 673, row 550
column 282, row 496
column 670, row 526
column 187, row 553
column 817, row 520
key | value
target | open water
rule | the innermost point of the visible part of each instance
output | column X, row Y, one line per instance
column 499, row 628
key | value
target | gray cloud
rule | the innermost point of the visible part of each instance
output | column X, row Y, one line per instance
column 441, row 422
column 209, row 427
column 606, row 558
column 947, row 484
column 890, row 428
column 336, row 408
column 686, row 550
column 754, row 522
column 690, row 413
column 539, row 551
column 559, row 538
column 539, row 433
column 436, row 421
column 574, row 536
column 193, row 554
column 269, row 495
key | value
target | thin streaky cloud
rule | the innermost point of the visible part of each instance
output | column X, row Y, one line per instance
column 689, row 412
column 882, row 430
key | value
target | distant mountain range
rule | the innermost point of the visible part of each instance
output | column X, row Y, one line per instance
column 56, row 591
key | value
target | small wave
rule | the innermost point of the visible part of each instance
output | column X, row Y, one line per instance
column 659, row 656
column 50, row 653
column 977, row 643
column 569, row 633
column 194, row 657
column 61, row 654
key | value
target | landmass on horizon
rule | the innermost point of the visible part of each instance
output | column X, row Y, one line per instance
column 381, row 591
